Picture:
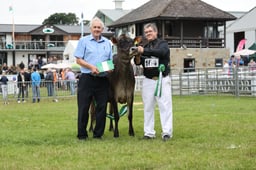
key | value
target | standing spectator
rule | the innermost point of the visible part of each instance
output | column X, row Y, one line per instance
column 35, row 62
column 40, row 62
column 30, row 64
column 63, row 77
column 4, row 87
column 252, row 67
column 226, row 68
column 5, row 68
column 44, row 59
column 49, row 82
column 235, row 60
column 36, row 80
column 70, row 76
column 155, row 59
column 21, row 85
column 55, row 85
column 12, row 70
column 92, row 49
column 21, row 66
column 27, row 75
column 42, row 77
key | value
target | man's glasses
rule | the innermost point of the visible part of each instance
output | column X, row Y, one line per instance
column 149, row 31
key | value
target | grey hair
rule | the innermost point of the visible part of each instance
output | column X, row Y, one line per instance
column 152, row 25
column 96, row 19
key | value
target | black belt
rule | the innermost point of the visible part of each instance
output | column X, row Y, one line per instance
column 154, row 77
column 92, row 75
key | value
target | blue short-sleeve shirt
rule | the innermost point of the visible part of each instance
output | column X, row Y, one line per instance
column 93, row 51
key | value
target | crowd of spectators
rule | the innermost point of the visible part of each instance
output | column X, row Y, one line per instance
column 62, row 79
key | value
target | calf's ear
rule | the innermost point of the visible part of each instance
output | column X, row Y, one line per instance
column 114, row 40
column 137, row 40
column 140, row 41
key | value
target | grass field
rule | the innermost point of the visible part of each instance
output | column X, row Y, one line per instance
column 210, row 132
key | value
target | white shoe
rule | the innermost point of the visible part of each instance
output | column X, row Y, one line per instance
column 18, row 101
column 55, row 100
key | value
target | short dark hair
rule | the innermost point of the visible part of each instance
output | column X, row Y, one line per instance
column 152, row 25
column 34, row 69
column 21, row 65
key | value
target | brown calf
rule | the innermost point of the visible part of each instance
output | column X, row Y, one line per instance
column 122, row 82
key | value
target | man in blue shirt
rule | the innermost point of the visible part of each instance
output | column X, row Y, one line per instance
column 92, row 50
column 36, row 80
column 70, row 76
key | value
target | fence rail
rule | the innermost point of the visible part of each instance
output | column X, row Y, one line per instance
column 48, row 89
column 232, row 81
column 217, row 81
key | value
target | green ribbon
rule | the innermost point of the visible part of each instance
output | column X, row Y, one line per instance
column 158, row 90
column 122, row 112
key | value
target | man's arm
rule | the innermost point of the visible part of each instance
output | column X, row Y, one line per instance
column 85, row 64
column 160, row 51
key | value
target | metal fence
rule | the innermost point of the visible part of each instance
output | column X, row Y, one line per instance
column 218, row 81
column 233, row 81
column 48, row 89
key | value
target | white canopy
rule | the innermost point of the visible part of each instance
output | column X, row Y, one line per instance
column 69, row 51
column 50, row 65
column 244, row 52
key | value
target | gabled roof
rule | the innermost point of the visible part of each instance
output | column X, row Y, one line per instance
column 237, row 14
column 113, row 14
column 245, row 22
column 175, row 10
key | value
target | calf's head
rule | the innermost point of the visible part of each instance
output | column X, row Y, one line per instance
column 126, row 46
column 123, row 44
column 138, row 41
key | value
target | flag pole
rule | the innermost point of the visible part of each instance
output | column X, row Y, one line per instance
column 13, row 31
column 82, row 24
column 13, row 26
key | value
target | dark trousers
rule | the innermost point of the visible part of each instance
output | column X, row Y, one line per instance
column 50, row 88
column 21, row 92
column 90, row 87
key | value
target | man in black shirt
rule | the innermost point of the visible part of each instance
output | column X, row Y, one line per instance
column 155, row 59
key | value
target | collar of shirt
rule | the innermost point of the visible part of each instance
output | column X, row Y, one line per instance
column 152, row 44
column 93, row 39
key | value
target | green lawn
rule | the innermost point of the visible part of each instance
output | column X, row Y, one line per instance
column 210, row 132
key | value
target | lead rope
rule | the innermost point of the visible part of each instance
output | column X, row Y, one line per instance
column 158, row 90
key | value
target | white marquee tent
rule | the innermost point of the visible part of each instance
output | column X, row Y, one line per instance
column 69, row 51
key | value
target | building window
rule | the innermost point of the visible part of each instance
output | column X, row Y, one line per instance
column 218, row 62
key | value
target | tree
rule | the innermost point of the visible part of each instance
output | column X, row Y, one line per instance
column 62, row 19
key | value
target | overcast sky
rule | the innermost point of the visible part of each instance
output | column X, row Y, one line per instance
column 35, row 11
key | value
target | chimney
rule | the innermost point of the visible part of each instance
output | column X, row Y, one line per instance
column 118, row 4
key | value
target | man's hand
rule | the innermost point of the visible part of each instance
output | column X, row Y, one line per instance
column 94, row 70
column 140, row 49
